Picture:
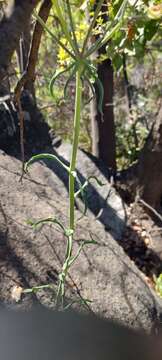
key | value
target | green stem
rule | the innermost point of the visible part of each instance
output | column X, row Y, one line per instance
column 72, row 26
column 59, row 42
column 110, row 30
column 58, row 8
column 78, row 102
column 89, row 32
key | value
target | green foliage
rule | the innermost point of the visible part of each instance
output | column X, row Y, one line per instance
column 127, row 151
column 132, row 129
column 158, row 283
column 132, row 39
column 137, row 37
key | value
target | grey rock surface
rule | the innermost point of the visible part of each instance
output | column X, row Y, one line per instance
column 103, row 201
column 103, row 272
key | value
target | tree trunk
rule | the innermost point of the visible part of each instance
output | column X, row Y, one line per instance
column 149, row 169
column 103, row 127
column 12, row 25
column 36, row 132
column 23, row 54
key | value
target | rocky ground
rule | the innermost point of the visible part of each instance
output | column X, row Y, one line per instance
column 142, row 241
column 116, row 274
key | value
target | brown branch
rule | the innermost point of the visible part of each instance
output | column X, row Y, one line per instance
column 29, row 74
column 150, row 208
column 21, row 120
column 12, row 25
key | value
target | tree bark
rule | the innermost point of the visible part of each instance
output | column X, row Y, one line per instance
column 36, row 132
column 103, row 127
column 28, row 77
column 23, row 54
column 149, row 169
column 143, row 180
column 12, row 25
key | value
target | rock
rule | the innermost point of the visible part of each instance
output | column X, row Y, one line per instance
column 36, row 132
column 103, row 272
column 103, row 201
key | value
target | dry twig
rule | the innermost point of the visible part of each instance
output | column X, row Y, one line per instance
column 150, row 208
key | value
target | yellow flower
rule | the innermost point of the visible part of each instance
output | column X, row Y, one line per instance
column 63, row 56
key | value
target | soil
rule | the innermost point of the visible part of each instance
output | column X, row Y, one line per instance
column 142, row 241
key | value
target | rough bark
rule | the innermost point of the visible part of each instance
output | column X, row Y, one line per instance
column 24, row 47
column 143, row 180
column 149, row 167
column 23, row 53
column 28, row 76
column 129, row 94
column 103, row 127
column 12, row 25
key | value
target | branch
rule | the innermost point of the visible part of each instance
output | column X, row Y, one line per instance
column 150, row 208
column 29, row 74
column 129, row 97
column 12, row 25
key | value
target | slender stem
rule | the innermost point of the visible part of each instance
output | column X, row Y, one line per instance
column 89, row 32
column 66, row 265
column 109, row 31
column 118, row 22
column 78, row 102
column 103, row 41
column 63, row 24
column 72, row 26
column 58, row 41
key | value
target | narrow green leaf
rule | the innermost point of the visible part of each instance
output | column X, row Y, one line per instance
column 47, row 220
column 45, row 27
column 55, row 76
column 83, row 195
column 83, row 243
column 92, row 71
column 35, row 289
column 69, row 80
column 44, row 156
column 91, row 86
column 92, row 177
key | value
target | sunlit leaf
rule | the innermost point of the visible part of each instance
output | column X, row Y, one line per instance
column 44, row 156
column 155, row 11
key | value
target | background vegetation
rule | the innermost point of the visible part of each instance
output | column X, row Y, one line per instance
column 145, row 78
